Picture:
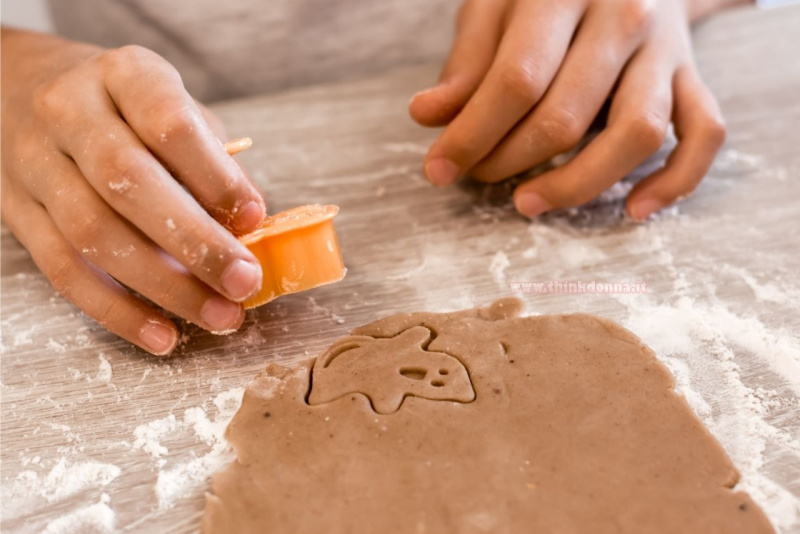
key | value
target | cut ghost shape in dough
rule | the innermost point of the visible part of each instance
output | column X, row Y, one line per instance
column 386, row 370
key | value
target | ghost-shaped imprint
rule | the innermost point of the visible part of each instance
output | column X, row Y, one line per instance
column 387, row 370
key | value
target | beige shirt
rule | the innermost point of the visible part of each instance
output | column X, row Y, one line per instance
column 232, row 48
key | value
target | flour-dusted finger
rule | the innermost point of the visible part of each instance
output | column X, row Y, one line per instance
column 114, row 245
column 637, row 125
column 172, row 126
column 701, row 132
column 85, row 285
column 137, row 186
column 477, row 35
column 519, row 76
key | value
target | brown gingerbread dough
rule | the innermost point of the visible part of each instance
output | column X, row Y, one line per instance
column 476, row 422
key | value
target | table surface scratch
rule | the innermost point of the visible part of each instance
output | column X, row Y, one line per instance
column 88, row 421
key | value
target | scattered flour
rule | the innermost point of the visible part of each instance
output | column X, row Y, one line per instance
column 148, row 436
column 97, row 518
column 407, row 275
column 498, row 267
column 699, row 343
column 64, row 480
column 24, row 337
column 405, row 148
column 326, row 311
column 124, row 252
column 762, row 291
column 120, row 187
column 179, row 479
column 55, row 346
column 566, row 248
column 104, row 370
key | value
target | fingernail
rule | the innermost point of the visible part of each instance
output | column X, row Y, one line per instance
column 252, row 215
column 442, row 172
column 425, row 91
column 241, row 279
column 531, row 204
column 158, row 338
column 644, row 208
column 221, row 314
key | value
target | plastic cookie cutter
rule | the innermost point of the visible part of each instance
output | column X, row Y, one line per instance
column 297, row 249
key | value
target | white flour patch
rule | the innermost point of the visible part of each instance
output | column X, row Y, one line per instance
column 148, row 436
column 184, row 478
column 406, row 275
column 498, row 267
column 326, row 311
column 124, row 252
column 122, row 186
column 264, row 386
column 405, row 148
column 764, row 291
column 65, row 479
column 567, row 249
column 24, row 337
column 104, row 370
column 55, row 346
column 97, row 518
column 180, row 476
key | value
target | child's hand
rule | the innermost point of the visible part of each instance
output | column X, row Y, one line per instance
column 526, row 78
column 112, row 177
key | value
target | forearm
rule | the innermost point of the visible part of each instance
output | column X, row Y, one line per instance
column 700, row 9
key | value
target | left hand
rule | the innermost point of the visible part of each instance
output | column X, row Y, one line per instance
column 526, row 78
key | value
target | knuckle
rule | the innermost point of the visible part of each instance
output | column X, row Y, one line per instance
column 521, row 81
column 637, row 18
column 648, row 131
column 61, row 272
column 88, row 230
column 194, row 251
column 111, row 313
column 122, row 171
column 49, row 100
column 172, row 121
column 169, row 291
column 561, row 128
column 128, row 56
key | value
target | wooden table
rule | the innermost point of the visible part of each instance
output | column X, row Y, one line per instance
column 90, row 424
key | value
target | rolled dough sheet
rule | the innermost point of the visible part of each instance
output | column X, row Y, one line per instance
column 471, row 422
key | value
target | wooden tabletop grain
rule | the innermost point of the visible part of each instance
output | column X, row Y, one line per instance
column 91, row 424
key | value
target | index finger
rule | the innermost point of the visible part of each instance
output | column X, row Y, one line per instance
column 150, row 95
column 518, row 78
column 119, row 167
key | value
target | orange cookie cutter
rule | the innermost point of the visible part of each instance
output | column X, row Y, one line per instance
column 298, row 250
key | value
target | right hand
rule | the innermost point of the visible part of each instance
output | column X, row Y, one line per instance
column 113, row 177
